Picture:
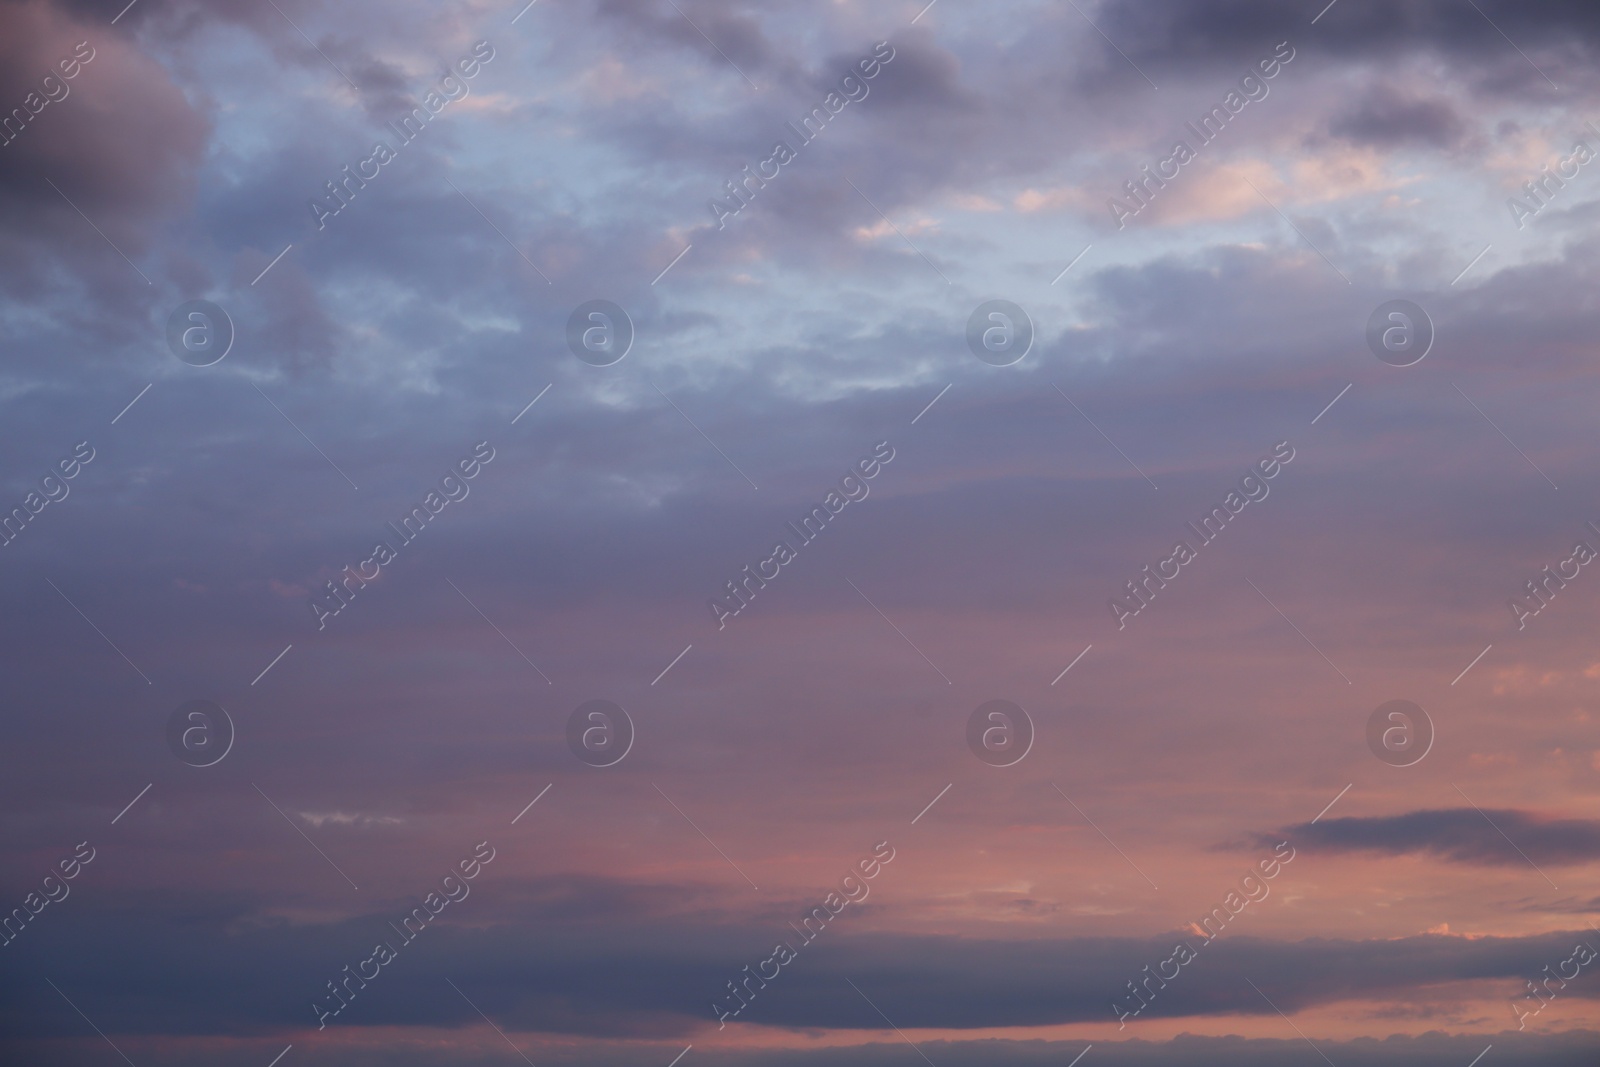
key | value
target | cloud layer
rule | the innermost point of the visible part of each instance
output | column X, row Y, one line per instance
column 432, row 318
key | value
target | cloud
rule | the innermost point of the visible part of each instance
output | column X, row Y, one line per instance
column 1387, row 117
column 122, row 144
column 414, row 326
column 1462, row 835
column 579, row 956
column 484, row 1047
column 1215, row 31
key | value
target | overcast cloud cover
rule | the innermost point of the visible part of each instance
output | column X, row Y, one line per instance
column 1211, row 761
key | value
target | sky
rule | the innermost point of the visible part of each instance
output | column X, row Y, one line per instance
column 828, row 534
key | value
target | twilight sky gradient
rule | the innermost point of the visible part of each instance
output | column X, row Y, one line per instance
column 1178, row 343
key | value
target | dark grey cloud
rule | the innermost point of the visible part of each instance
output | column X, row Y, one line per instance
column 571, row 962
column 1463, row 835
column 1387, row 116
column 1563, row 1049
column 1567, row 906
column 122, row 144
column 1204, row 33
column 718, row 33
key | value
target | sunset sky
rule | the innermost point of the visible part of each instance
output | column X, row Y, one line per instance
column 423, row 322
